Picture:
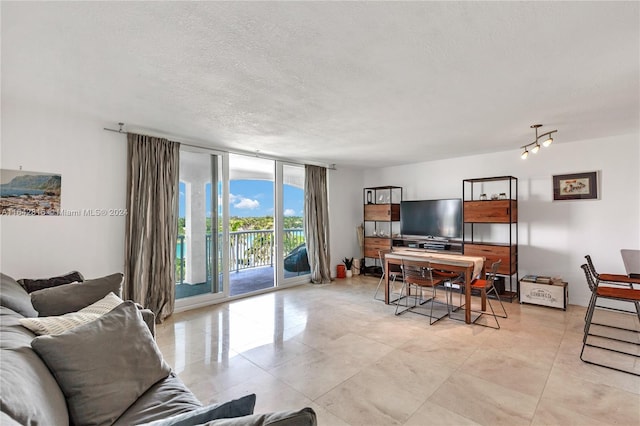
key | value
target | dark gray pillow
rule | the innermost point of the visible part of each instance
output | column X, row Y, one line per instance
column 32, row 285
column 14, row 297
column 303, row 417
column 234, row 408
column 73, row 297
column 104, row 366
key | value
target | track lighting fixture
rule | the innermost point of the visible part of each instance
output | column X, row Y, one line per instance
column 535, row 143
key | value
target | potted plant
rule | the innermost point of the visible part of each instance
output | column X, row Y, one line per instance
column 348, row 263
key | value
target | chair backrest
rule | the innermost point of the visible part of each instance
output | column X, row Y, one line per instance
column 393, row 268
column 381, row 254
column 494, row 270
column 592, row 269
column 631, row 260
column 591, row 281
column 417, row 272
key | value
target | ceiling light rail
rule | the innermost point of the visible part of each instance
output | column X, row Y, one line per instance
column 256, row 153
column 548, row 140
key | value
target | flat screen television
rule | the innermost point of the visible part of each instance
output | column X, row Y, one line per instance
column 431, row 218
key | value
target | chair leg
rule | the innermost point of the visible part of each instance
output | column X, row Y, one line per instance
column 405, row 289
column 587, row 327
column 495, row 292
column 379, row 284
column 433, row 300
column 493, row 313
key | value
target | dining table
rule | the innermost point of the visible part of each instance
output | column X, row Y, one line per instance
column 470, row 266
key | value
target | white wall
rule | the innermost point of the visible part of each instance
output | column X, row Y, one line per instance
column 92, row 164
column 555, row 236
column 345, row 214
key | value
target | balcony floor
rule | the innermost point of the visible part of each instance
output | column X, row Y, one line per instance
column 240, row 282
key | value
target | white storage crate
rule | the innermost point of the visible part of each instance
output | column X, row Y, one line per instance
column 553, row 295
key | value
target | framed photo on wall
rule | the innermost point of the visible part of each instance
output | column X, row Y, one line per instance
column 25, row 193
column 575, row 186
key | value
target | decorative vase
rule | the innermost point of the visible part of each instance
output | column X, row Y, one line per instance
column 349, row 273
column 369, row 197
column 341, row 271
column 356, row 267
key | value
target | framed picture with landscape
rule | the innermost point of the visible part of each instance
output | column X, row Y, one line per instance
column 25, row 193
column 575, row 186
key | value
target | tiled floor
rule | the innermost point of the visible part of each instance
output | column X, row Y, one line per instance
column 335, row 349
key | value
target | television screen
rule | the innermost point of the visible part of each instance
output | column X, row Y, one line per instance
column 431, row 218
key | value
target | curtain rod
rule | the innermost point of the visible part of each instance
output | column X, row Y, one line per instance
column 121, row 131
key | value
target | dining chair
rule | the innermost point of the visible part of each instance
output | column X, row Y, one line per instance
column 609, row 292
column 394, row 272
column 451, row 281
column 418, row 276
column 486, row 288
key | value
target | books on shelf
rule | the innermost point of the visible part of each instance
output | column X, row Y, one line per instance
column 542, row 279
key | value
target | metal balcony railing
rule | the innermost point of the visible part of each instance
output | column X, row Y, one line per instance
column 247, row 249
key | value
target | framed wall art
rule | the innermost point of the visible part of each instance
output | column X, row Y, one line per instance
column 25, row 193
column 575, row 186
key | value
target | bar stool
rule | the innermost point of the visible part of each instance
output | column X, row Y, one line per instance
column 613, row 280
column 617, row 293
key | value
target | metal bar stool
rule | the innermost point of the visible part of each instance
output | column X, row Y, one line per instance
column 617, row 293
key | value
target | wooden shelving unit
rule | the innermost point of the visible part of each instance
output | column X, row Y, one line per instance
column 482, row 216
column 381, row 205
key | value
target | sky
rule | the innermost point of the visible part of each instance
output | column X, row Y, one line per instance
column 254, row 198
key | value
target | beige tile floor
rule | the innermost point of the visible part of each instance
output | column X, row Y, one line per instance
column 335, row 349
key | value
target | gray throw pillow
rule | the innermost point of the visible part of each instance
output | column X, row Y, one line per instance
column 32, row 285
column 14, row 297
column 104, row 366
column 67, row 298
column 303, row 417
column 234, row 408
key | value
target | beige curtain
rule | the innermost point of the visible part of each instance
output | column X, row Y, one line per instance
column 152, row 223
column 316, row 223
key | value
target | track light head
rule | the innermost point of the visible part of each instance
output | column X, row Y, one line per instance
column 535, row 148
column 525, row 154
column 548, row 142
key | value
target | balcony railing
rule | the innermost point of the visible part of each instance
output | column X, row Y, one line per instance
column 248, row 249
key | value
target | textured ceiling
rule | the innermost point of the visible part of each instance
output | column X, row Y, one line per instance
column 358, row 84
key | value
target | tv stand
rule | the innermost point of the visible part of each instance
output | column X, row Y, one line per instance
column 428, row 243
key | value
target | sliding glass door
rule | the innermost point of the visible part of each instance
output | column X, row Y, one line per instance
column 295, row 263
column 199, row 247
column 240, row 226
column 251, row 224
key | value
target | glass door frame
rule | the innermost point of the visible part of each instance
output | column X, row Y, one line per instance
column 281, row 281
column 211, row 298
